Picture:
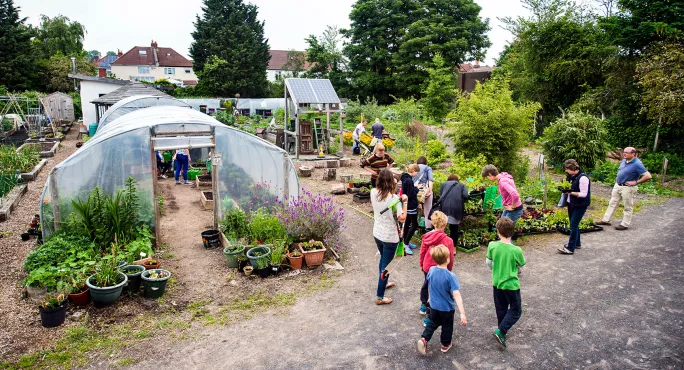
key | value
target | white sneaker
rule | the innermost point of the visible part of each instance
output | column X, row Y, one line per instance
column 164, row 177
column 187, row 183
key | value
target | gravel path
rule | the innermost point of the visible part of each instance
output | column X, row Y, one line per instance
column 20, row 326
column 617, row 303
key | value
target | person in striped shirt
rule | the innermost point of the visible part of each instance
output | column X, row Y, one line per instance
column 377, row 162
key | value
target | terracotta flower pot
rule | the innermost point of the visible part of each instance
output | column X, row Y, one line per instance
column 295, row 262
column 150, row 266
column 80, row 299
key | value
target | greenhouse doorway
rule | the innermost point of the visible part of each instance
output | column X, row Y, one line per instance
column 192, row 207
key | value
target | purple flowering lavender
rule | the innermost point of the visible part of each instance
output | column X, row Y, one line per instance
column 313, row 217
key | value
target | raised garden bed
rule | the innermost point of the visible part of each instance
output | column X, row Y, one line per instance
column 361, row 198
column 47, row 148
column 11, row 201
column 207, row 198
column 30, row 176
column 7, row 133
column 566, row 231
column 203, row 181
column 44, row 140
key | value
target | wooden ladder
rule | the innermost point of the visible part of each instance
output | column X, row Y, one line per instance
column 320, row 134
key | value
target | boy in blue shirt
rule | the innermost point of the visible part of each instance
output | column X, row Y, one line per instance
column 444, row 297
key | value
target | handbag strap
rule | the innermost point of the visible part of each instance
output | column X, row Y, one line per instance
column 445, row 194
column 420, row 178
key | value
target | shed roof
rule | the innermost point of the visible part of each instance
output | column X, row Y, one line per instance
column 99, row 79
column 123, row 92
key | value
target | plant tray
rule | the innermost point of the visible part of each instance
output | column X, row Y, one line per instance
column 361, row 198
column 539, row 232
column 466, row 250
column 207, row 199
column 203, row 181
column 565, row 231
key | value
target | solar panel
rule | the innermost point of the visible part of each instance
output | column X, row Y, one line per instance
column 305, row 90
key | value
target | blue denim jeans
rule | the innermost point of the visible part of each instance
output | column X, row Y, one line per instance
column 181, row 164
column 387, row 251
column 356, row 143
column 575, row 214
column 513, row 215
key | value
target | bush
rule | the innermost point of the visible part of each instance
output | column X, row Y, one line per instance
column 488, row 122
column 580, row 136
column 370, row 111
column 654, row 163
column 471, row 168
column 605, row 172
column 313, row 217
column 436, row 152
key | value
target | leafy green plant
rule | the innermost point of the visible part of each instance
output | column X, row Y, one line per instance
column 134, row 249
column 63, row 251
column 235, row 224
column 265, row 228
column 277, row 253
column 580, row 136
column 312, row 245
column 23, row 161
column 53, row 299
column 108, row 271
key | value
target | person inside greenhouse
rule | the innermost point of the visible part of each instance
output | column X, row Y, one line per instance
column 377, row 162
column 356, row 135
column 162, row 166
column 424, row 181
column 182, row 158
column 385, row 230
column 579, row 198
column 510, row 198
column 377, row 129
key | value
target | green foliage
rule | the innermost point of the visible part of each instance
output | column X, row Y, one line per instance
column 605, row 172
column 58, row 69
column 229, row 51
column 8, row 181
column 391, row 43
column 107, row 269
column 469, row 168
column 435, row 152
column 489, row 123
column 76, row 98
column 661, row 76
column 654, row 162
column 63, row 251
column 225, row 117
column 440, row 92
column 16, row 58
column 235, row 224
column 265, row 228
column 142, row 244
column 326, row 60
column 404, row 111
column 24, row 161
column 369, row 111
column 580, row 136
column 59, row 35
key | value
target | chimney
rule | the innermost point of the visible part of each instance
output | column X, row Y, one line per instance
column 96, row 59
column 119, row 54
column 477, row 64
column 154, row 44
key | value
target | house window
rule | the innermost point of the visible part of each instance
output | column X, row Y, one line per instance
column 144, row 70
column 244, row 112
column 142, row 52
column 188, row 70
column 169, row 71
column 109, row 73
column 264, row 112
column 142, row 78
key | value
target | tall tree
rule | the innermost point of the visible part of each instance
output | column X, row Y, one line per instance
column 451, row 28
column 326, row 60
column 111, row 53
column 16, row 59
column 296, row 60
column 59, row 34
column 229, row 36
column 58, row 69
column 93, row 53
column 441, row 89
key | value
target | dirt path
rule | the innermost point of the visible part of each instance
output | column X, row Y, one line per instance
column 617, row 303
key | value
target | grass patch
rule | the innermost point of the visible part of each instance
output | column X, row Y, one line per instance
column 126, row 361
column 168, row 255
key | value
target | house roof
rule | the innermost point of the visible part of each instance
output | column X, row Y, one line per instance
column 279, row 58
column 98, row 79
column 166, row 57
column 106, row 61
column 123, row 92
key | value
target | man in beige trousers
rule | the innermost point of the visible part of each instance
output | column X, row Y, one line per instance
column 630, row 174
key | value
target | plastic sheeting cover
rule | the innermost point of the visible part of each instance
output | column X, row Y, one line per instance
column 252, row 171
column 133, row 103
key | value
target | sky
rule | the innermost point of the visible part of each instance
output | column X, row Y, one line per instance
column 123, row 24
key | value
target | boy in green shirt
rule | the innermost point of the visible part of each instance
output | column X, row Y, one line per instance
column 504, row 258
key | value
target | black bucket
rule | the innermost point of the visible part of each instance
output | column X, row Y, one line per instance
column 210, row 239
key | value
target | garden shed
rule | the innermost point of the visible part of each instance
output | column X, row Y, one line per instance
column 244, row 166
column 59, row 107
column 133, row 103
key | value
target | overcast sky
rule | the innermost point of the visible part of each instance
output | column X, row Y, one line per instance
column 122, row 24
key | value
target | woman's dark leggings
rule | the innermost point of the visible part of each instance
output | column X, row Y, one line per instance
column 410, row 227
column 453, row 233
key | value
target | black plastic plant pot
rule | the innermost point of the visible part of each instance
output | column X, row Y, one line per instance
column 53, row 316
column 211, row 239
column 25, row 236
column 133, row 273
column 263, row 273
column 154, row 287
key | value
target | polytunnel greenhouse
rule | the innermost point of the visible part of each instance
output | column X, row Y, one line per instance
column 242, row 164
column 133, row 103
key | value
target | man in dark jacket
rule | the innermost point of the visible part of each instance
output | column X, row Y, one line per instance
column 411, row 223
column 453, row 196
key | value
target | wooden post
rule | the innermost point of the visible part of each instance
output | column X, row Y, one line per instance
column 665, row 163
column 214, row 180
column 341, row 153
column 157, row 216
column 655, row 145
column 546, row 192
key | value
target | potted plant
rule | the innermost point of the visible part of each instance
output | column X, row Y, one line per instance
column 151, row 264
column 80, row 294
column 232, row 253
column 260, row 258
column 313, row 252
column 107, row 284
column 154, row 282
column 53, row 308
column 248, row 270
column 276, row 258
column 296, row 258
column 133, row 273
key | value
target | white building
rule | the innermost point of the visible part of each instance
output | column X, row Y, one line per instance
column 154, row 63
column 92, row 88
column 276, row 66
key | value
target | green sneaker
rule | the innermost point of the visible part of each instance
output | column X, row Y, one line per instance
column 500, row 337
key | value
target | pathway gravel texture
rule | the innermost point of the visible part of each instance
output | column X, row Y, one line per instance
column 616, row 304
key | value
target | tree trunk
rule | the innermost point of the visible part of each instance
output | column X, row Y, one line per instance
column 655, row 145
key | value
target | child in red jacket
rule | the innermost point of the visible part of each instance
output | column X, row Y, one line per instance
column 433, row 239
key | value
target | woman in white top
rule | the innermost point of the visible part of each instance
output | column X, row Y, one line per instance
column 385, row 227
column 182, row 158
